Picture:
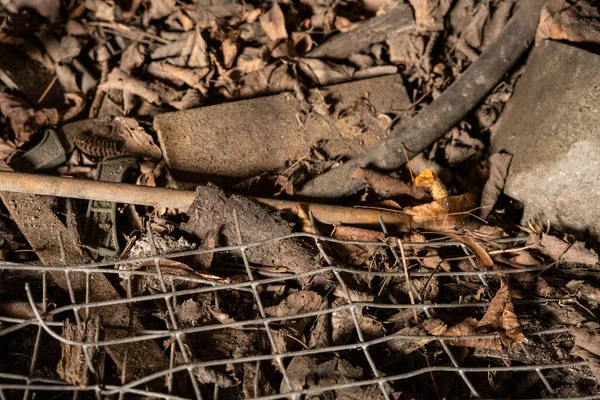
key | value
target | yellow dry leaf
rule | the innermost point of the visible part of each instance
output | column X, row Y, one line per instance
column 429, row 180
column 444, row 214
column 304, row 219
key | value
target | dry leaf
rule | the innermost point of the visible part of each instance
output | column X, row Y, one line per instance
column 592, row 359
column 432, row 260
column 302, row 42
column 132, row 58
column 68, row 79
column 7, row 150
column 137, row 141
column 195, row 51
column 500, row 317
column 296, row 303
column 104, row 10
column 250, row 60
column 476, row 249
column 118, row 80
column 472, row 35
column 214, row 375
column 76, row 103
column 24, row 120
column 407, row 49
column 497, row 22
column 342, row 322
column 291, row 331
column 322, row 73
column 155, row 93
column 432, row 327
column 285, row 185
column 158, row 9
column 588, row 337
column 172, row 49
column 352, row 253
column 267, row 80
column 386, row 186
column 445, row 214
column 179, row 75
column 498, row 169
column 190, row 98
column 587, row 345
column 230, row 49
column 570, row 22
column 559, row 250
column 323, row 18
column 468, row 327
column 273, row 23
column 319, row 333
column 488, row 232
column 429, row 14
column 70, row 48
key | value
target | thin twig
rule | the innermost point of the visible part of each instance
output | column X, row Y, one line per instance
column 47, row 90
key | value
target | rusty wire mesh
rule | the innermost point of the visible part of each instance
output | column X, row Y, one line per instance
column 25, row 386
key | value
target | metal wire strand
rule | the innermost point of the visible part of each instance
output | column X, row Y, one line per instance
column 216, row 285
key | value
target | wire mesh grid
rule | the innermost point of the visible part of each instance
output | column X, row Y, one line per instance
column 25, row 386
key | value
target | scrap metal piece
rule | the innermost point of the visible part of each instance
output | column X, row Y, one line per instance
column 245, row 138
column 100, row 230
column 550, row 125
column 48, row 154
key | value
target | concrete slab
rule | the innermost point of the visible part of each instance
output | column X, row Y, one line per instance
column 245, row 138
column 551, row 125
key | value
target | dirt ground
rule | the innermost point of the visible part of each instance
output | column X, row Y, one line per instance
column 408, row 280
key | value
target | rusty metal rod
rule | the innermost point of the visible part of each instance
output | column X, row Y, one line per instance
column 182, row 199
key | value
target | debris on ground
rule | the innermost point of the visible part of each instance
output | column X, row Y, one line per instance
column 375, row 214
column 563, row 168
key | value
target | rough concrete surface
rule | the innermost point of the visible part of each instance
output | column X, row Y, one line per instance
column 551, row 125
column 248, row 137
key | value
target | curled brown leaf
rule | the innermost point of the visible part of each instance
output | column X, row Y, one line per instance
column 24, row 120
column 444, row 214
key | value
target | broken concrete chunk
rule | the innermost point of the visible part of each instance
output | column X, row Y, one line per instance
column 551, row 127
column 246, row 138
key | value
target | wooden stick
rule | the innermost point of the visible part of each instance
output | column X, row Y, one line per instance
column 46, row 185
column 378, row 29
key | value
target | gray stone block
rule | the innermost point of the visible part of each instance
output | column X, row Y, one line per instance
column 551, row 125
column 248, row 137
